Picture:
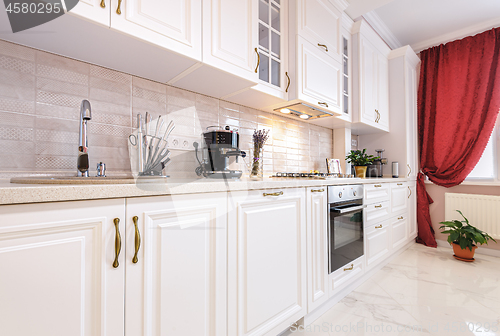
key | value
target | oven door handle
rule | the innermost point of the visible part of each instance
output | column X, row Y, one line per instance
column 342, row 211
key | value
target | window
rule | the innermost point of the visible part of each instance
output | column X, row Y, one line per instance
column 488, row 166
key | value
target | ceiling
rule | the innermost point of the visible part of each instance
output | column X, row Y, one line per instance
column 425, row 23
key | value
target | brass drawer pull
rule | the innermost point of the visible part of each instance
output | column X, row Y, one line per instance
column 378, row 227
column 377, row 118
column 288, row 78
column 258, row 59
column 409, row 169
column 103, row 4
column 399, row 218
column 324, row 104
column 410, row 192
column 118, row 10
column 279, row 193
column 317, row 190
column 378, row 186
column 400, row 183
column 324, row 46
column 349, row 268
column 118, row 242
column 378, row 206
column 137, row 240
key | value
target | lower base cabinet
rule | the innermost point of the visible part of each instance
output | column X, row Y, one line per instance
column 266, row 261
column 399, row 227
column 177, row 286
column 57, row 268
column 377, row 243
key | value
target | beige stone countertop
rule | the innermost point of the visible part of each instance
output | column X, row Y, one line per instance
column 12, row 193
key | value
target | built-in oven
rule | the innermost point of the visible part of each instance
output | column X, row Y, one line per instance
column 345, row 225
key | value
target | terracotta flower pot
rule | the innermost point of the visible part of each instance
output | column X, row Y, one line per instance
column 360, row 171
column 465, row 253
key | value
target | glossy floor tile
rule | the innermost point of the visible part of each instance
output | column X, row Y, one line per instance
column 424, row 291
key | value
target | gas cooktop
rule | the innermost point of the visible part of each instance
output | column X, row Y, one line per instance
column 312, row 175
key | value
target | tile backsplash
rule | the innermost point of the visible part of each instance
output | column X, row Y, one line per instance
column 40, row 96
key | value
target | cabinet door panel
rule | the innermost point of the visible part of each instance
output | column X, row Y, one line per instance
column 382, row 86
column 369, row 82
column 378, row 242
column 230, row 36
column 57, row 274
column 411, row 121
column 177, row 285
column 399, row 197
column 412, row 205
column 398, row 230
column 320, row 77
column 172, row 24
column 317, row 223
column 267, row 267
column 92, row 10
column 320, row 21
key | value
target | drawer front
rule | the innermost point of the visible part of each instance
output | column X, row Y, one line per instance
column 377, row 243
column 377, row 192
column 376, row 212
column 399, row 196
column 399, row 230
column 346, row 275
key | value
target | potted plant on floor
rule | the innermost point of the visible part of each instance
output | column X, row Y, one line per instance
column 464, row 237
column 359, row 159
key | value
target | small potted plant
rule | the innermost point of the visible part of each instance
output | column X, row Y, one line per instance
column 464, row 237
column 359, row 159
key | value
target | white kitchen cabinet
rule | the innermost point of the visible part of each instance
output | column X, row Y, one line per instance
column 266, row 261
column 93, row 10
column 377, row 192
column 346, row 275
column 399, row 197
column 57, row 268
column 171, row 24
column 319, row 22
column 370, row 78
column 412, row 210
column 399, row 230
column 377, row 243
column 178, row 284
column 376, row 212
column 317, row 247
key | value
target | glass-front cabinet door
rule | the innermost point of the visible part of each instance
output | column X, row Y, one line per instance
column 272, row 43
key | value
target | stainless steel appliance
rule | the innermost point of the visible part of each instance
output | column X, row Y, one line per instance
column 345, row 225
column 377, row 168
column 218, row 146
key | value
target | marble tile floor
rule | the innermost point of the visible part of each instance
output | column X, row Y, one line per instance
column 424, row 291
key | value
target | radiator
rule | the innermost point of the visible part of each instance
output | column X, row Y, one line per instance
column 482, row 211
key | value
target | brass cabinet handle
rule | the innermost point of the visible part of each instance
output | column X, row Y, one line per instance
column 400, row 183
column 378, row 206
column 137, row 240
column 378, row 227
column 324, row 104
column 118, row 242
column 399, row 218
column 118, row 10
column 288, row 85
column 279, row 193
column 103, row 5
column 409, row 169
column 258, row 60
column 410, row 192
column 324, row 46
column 317, row 190
column 378, row 116
column 378, row 186
column 349, row 268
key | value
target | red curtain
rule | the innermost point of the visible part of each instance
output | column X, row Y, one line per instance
column 458, row 104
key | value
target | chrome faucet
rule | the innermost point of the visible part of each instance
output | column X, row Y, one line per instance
column 83, row 155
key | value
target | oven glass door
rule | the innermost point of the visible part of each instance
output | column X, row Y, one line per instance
column 346, row 233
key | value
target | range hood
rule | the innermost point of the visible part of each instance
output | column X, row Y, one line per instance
column 304, row 111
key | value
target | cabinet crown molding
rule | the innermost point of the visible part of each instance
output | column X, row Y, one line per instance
column 407, row 52
column 340, row 4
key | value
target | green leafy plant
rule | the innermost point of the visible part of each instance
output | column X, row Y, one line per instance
column 360, row 158
column 464, row 234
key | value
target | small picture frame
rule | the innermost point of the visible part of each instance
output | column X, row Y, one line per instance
column 333, row 166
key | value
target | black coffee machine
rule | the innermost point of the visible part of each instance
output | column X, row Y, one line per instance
column 218, row 146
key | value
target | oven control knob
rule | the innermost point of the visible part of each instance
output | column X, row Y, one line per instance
column 340, row 194
column 354, row 193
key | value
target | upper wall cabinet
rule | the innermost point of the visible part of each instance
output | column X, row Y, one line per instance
column 172, row 24
column 370, row 79
column 320, row 23
column 94, row 10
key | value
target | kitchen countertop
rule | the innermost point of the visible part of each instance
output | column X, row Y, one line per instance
column 11, row 193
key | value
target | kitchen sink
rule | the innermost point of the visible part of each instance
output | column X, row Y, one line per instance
column 73, row 180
